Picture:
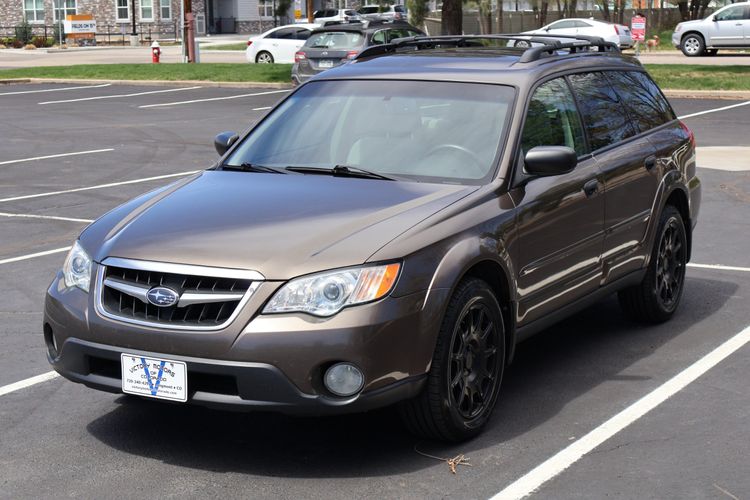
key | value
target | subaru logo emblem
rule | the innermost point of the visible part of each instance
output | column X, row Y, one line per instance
column 162, row 297
column 324, row 53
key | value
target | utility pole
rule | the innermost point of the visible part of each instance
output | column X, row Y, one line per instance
column 188, row 31
column 132, row 6
column 310, row 11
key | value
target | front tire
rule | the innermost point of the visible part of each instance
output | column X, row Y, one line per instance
column 693, row 45
column 656, row 298
column 466, row 371
column 264, row 57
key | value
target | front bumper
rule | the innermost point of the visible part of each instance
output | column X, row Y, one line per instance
column 224, row 384
column 258, row 362
column 676, row 40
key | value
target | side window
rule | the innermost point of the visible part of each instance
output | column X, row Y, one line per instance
column 285, row 33
column 731, row 14
column 561, row 25
column 378, row 38
column 582, row 24
column 648, row 107
column 552, row 119
column 303, row 34
column 606, row 119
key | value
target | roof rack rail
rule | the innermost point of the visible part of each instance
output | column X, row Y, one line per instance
column 549, row 44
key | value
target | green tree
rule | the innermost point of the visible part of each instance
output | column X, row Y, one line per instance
column 418, row 10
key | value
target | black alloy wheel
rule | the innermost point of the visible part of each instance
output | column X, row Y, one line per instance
column 656, row 298
column 466, row 371
column 472, row 374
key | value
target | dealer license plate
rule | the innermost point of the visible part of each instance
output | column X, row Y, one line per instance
column 325, row 63
column 154, row 378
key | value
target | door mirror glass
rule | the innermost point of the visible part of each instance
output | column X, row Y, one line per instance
column 224, row 141
column 550, row 160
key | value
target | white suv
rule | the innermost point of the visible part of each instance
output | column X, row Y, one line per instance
column 727, row 28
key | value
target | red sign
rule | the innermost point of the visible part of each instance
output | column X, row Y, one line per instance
column 638, row 28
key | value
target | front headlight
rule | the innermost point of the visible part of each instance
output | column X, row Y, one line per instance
column 77, row 268
column 678, row 28
column 325, row 294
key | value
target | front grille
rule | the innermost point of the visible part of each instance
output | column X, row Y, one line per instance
column 205, row 302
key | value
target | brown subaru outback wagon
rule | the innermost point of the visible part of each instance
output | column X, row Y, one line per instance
column 387, row 234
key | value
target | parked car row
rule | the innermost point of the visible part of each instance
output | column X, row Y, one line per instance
column 610, row 32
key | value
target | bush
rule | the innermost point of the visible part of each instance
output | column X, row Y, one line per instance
column 16, row 44
column 29, row 46
column 2, row 46
column 24, row 33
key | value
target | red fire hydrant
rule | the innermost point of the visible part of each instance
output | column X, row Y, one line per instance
column 155, row 52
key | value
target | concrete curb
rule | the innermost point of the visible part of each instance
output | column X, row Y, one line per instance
column 708, row 94
column 155, row 83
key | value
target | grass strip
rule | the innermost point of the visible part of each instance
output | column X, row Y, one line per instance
column 700, row 77
column 212, row 72
column 228, row 46
column 668, row 76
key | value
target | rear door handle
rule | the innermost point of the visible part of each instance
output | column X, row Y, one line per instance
column 591, row 187
column 649, row 162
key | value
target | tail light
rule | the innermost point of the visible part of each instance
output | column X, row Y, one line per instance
column 299, row 56
column 691, row 135
column 249, row 43
column 617, row 30
column 350, row 55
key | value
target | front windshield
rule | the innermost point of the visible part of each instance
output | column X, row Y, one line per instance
column 431, row 131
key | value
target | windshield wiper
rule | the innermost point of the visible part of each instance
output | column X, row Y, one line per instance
column 342, row 171
column 252, row 167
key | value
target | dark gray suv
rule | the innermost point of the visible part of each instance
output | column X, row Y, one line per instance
column 387, row 234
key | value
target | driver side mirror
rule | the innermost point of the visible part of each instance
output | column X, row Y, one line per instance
column 550, row 160
column 224, row 141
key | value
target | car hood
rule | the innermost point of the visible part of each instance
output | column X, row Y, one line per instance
column 685, row 24
column 280, row 225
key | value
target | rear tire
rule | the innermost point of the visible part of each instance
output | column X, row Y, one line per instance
column 656, row 298
column 264, row 57
column 467, row 368
column 693, row 45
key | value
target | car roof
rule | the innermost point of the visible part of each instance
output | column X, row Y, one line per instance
column 366, row 27
column 474, row 64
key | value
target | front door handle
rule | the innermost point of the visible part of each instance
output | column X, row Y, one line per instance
column 649, row 162
column 591, row 187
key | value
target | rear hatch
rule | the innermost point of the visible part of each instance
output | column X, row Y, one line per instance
column 328, row 49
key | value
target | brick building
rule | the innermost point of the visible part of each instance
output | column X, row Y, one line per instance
column 159, row 18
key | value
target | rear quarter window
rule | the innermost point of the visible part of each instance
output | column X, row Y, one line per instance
column 604, row 114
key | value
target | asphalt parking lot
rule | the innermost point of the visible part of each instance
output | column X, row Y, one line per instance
column 68, row 156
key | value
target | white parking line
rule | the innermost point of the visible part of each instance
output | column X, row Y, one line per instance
column 212, row 99
column 550, row 468
column 120, row 95
column 17, row 386
column 9, row 162
column 100, row 186
column 33, row 255
column 715, row 110
column 56, row 90
column 51, row 217
column 720, row 267
column 263, row 108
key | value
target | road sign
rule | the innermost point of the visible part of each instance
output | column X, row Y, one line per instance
column 638, row 28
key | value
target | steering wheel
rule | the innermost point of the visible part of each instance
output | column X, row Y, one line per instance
column 477, row 163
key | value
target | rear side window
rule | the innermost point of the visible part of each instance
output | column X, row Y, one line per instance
column 604, row 115
column 649, row 108
column 303, row 34
column 552, row 119
column 288, row 33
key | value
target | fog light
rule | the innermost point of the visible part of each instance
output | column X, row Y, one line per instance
column 344, row 379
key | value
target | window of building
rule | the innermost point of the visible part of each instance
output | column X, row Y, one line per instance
column 147, row 10
column 33, row 11
column 64, row 8
column 123, row 10
column 166, row 9
column 265, row 8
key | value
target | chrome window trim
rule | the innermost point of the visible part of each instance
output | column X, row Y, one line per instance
column 164, row 267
